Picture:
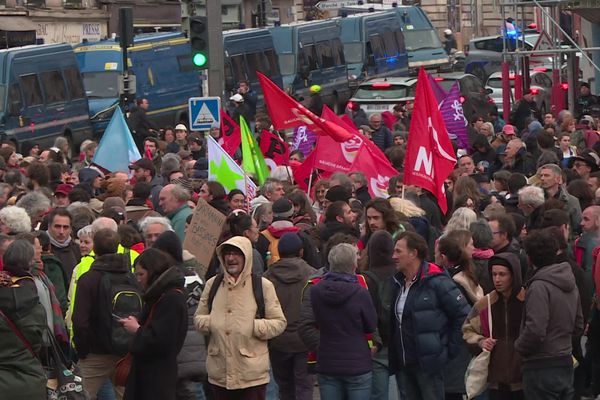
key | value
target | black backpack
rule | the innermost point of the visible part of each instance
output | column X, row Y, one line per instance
column 256, row 289
column 119, row 296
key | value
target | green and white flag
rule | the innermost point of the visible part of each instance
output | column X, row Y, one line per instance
column 223, row 169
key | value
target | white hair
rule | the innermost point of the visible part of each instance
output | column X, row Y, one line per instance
column 144, row 223
column 16, row 219
column 283, row 173
column 35, row 203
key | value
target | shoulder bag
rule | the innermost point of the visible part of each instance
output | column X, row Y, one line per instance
column 477, row 371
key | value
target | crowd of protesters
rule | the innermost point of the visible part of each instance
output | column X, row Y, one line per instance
column 330, row 290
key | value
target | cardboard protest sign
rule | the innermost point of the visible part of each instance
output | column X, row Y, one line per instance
column 203, row 233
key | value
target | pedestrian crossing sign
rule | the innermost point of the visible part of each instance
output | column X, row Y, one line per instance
column 204, row 112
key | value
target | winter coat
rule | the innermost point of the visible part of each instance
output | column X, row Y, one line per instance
column 289, row 276
column 87, row 332
column 191, row 360
column 55, row 272
column 454, row 371
column 158, row 341
column 382, row 137
column 68, row 256
column 430, row 333
column 571, row 206
column 178, row 218
column 344, row 314
column 552, row 317
column 329, row 228
column 505, row 363
column 363, row 195
column 238, row 356
column 360, row 118
column 22, row 376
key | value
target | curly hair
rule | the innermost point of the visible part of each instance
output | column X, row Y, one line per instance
column 15, row 219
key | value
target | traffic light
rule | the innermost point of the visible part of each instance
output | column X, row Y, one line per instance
column 199, row 41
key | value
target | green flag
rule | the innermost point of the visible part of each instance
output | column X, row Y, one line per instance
column 253, row 161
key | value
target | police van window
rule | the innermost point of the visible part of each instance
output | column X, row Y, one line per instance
column 14, row 99
column 76, row 90
column 311, row 57
column 185, row 63
column 324, row 52
column 338, row 52
column 377, row 46
column 237, row 63
column 400, row 41
column 256, row 62
column 54, row 86
column 391, row 47
column 272, row 62
column 31, row 90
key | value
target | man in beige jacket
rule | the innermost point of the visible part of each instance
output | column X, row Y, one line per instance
column 238, row 356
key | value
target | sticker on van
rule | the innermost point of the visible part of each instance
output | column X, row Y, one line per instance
column 111, row 66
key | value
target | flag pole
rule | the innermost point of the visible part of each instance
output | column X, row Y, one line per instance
column 403, row 191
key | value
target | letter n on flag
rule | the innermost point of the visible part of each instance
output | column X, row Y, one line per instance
column 430, row 157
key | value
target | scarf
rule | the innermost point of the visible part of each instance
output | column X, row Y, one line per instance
column 58, row 322
column 58, row 244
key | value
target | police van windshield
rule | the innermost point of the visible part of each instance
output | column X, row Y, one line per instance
column 383, row 92
column 353, row 52
column 100, row 85
column 421, row 39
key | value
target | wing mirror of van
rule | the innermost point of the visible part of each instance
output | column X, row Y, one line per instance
column 489, row 91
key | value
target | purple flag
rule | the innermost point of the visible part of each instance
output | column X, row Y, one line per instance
column 438, row 91
column 454, row 118
column 304, row 140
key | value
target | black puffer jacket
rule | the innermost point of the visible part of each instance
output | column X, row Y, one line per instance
column 156, row 344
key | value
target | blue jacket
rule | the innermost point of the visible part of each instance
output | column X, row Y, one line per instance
column 345, row 314
column 431, row 329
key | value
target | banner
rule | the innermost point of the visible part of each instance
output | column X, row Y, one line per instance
column 274, row 148
column 203, row 233
column 429, row 153
column 454, row 117
column 223, row 169
column 304, row 140
column 230, row 133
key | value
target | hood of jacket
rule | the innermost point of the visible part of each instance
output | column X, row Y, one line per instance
column 245, row 246
column 511, row 261
column 337, row 288
column 288, row 270
column 171, row 278
column 111, row 263
column 380, row 249
column 559, row 275
column 280, row 228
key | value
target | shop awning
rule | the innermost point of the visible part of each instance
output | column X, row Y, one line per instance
column 16, row 24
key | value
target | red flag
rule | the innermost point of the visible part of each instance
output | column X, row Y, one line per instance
column 349, row 121
column 303, row 170
column 388, row 119
column 378, row 171
column 329, row 115
column 287, row 113
column 273, row 147
column 430, row 156
column 231, row 134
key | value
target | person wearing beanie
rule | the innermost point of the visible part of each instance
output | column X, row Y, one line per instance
column 336, row 193
column 267, row 244
column 287, row 352
column 507, row 302
column 191, row 361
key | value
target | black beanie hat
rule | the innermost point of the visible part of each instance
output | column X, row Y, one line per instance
column 338, row 193
column 283, row 209
column 169, row 242
column 289, row 245
column 500, row 261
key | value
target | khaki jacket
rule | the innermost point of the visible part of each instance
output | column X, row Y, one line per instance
column 238, row 356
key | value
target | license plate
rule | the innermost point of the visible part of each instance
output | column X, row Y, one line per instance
column 377, row 107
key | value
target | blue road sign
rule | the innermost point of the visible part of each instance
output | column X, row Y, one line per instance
column 204, row 112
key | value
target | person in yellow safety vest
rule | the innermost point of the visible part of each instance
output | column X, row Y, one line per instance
column 86, row 263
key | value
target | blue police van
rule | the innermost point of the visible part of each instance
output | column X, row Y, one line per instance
column 163, row 71
column 374, row 46
column 42, row 96
column 312, row 53
column 422, row 42
column 247, row 51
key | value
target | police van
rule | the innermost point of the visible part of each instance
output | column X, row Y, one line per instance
column 163, row 71
column 42, row 96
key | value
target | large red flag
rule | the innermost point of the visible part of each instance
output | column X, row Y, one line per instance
column 287, row 113
column 430, row 157
column 231, row 134
column 274, row 148
column 329, row 115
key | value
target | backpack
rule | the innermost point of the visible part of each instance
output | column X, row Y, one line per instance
column 273, row 250
column 257, row 290
column 119, row 296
